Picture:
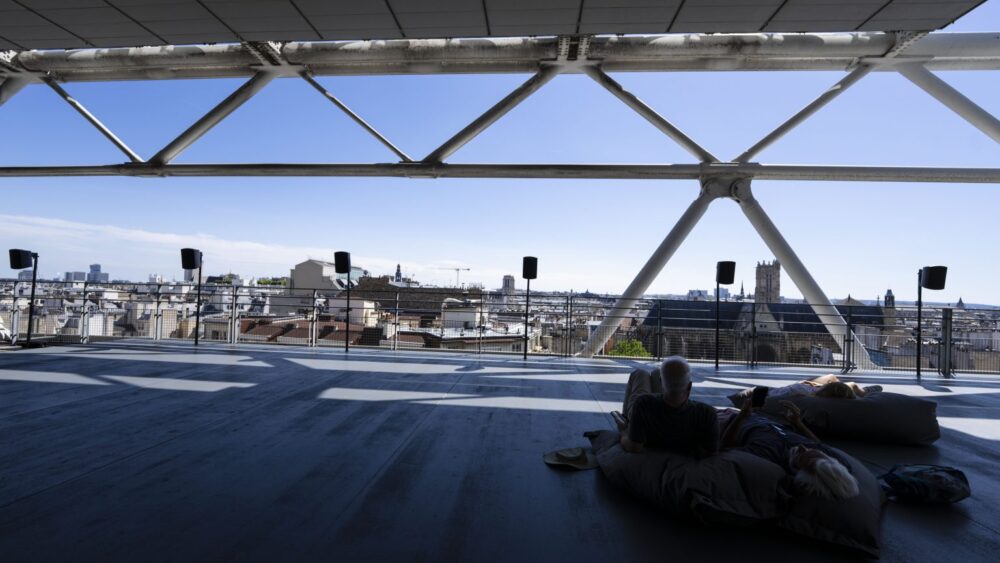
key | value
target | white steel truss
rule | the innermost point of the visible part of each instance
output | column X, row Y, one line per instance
column 913, row 55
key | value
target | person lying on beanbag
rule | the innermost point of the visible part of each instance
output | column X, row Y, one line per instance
column 829, row 386
column 815, row 468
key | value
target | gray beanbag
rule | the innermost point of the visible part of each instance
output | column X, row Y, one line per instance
column 879, row 417
column 732, row 488
column 736, row 487
column 853, row 522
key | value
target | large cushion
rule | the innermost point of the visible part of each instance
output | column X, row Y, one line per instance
column 733, row 487
column 853, row 522
column 739, row 488
column 878, row 417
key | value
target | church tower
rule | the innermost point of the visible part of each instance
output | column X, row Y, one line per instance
column 768, row 288
column 399, row 274
column 889, row 310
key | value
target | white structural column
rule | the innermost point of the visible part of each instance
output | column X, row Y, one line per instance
column 820, row 303
column 649, row 114
column 243, row 94
column 958, row 103
column 653, row 267
column 500, row 109
column 75, row 104
column 826, row 97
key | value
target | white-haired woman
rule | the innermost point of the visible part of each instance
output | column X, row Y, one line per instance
column 815, row 468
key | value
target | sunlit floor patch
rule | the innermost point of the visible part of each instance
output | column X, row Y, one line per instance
column 414, row 368
column 524, row 403
column 985, row 428
column 48, row 377
column 171, row 384
column 352, row 394
column 150, row 356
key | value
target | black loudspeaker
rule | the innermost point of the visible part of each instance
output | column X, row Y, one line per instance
column 932, row 277
column 529, row 269
column 725, row 272
column 20, row 259
column 342, row 262
column 190, row 258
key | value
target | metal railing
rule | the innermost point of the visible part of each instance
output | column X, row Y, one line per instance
column 473, row 320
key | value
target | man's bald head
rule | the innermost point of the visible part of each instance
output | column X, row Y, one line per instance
column 676, row 375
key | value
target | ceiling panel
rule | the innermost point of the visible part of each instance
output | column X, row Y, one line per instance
column 79, row 23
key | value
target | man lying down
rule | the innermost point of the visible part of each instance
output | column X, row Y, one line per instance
column 672, row 421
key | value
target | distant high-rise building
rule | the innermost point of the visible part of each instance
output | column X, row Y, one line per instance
column 155, row 278
column 768, row 288
column 24, row 275
column 75, row 276
column 189, row 276
column 95, row 275
column 508, row 284
column 399, row 274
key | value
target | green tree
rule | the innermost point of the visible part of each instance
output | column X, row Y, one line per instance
column 630, row 347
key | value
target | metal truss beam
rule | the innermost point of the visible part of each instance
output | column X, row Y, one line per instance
column 539, row 171
column 481, row 123
column 612, row 320
column 357, row 118
column 953, row 99
column 75, row 104
column 688, row 52
column 805, row 113
column 213, row 118
column 649, row 114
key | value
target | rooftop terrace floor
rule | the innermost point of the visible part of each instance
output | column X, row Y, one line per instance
column 136, row 451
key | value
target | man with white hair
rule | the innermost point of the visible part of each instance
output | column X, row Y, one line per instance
column 661, row 415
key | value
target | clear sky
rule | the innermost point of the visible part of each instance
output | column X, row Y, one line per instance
column 855, row 238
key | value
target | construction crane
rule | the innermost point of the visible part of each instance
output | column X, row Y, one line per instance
column 458, row 272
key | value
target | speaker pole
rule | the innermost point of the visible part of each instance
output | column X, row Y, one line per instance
column 197, row 304
column 527, row 308
column 31, row 304
column 920, row 310
column 347, row 323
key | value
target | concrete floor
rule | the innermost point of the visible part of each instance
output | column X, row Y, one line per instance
column 130, row 451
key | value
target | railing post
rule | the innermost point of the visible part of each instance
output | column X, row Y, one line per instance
column 481, row 324
column 313, row 322
column 848, row 342
column 234, row 321
column 83, row 315
column 945, row 345
column 753, row 335
column 158, row 316
column 659, row 329
column 570, row 348
column 396, row 322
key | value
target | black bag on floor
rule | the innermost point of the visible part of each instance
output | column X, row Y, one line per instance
column 926, row 484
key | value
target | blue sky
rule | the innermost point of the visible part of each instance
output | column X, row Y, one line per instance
column 856, row 238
